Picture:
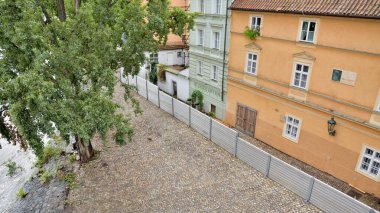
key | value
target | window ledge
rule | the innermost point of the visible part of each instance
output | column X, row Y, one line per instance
column 215, row 81
column 289, row 138
column 298, row 88
column 250, row 74
column 377, row 179
column 306, row 44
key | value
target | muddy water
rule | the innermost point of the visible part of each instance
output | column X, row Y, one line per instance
column 9, row 186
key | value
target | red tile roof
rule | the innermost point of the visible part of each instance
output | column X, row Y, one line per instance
column 344, row 8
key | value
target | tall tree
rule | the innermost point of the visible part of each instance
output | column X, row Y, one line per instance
column 59, row 59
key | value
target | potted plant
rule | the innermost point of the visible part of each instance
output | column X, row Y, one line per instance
column 252, row 33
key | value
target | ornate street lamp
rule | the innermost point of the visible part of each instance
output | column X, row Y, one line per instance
column 331, row 125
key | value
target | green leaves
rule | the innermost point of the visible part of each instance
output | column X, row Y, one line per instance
column 64, row 72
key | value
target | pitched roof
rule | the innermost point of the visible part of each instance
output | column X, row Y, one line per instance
column 343, row 8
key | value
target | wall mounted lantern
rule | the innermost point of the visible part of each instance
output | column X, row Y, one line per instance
column 331, row 125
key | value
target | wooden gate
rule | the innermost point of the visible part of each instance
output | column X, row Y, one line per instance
column 246, row 120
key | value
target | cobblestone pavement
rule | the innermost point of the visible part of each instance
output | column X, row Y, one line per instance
column 168, row 167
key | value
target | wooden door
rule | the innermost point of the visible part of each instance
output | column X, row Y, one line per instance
column 246, row 119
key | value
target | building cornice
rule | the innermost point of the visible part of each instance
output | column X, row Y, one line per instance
column 314, row 45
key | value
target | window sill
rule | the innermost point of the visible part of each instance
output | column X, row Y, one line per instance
column 215, row 81
column 306, row 44
column 298, row 88
column 251, row 74
column 290, row 139
column 377, row 179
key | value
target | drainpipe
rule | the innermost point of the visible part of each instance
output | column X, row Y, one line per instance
column 224, row 49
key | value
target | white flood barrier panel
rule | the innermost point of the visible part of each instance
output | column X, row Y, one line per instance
column 200, row 122
column 141, row 87
column 253, row 156
column 330, row 199
column 181, row 111
column 292, row 178
column 131, row 80
column 166, row 102
column 153, row 93
column 224, row 136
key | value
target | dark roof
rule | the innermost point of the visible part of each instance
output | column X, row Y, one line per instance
column 343, row 8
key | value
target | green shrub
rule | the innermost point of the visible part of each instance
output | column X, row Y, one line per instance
column 252, row 33
column 212, row 114
column 46, row 176
column 12, row 167
column 72, row 158
column 197, row 98
column 21, row 193
column 70, row 178
column 50, row 152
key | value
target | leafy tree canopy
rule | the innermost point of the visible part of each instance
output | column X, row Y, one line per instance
column 58, row 60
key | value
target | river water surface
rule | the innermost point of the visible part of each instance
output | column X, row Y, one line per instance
column 9, row 186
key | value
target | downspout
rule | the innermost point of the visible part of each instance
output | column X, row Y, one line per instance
column 224, row 49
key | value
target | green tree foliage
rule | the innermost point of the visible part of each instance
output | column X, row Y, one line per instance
column 59, row 60
column 153, row 73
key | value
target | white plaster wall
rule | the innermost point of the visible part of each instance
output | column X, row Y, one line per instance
column 182, row 84
column 169, row 57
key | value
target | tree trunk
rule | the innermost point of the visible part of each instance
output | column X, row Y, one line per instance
column 86, row 152
column 61, row 10
column 76, row 6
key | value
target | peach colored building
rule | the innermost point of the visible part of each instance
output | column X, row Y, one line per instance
column 313, row 61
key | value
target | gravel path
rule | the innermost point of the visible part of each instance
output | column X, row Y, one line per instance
column 170, row 168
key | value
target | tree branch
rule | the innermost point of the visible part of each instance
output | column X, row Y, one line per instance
column 77, row 4
column 61, row 10
column 46, row 14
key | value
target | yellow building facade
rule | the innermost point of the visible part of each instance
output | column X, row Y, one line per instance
column 302, row 71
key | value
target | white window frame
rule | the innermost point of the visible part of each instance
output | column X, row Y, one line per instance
column 302, row 20
column 217, row 10
column 292, row 126
column 201, row 6
column 256, row 17
column 200, row 68
column 214, row 75
column 214, row 42
column 373, row 159
column 200, row 37
column 253, row 61
column 295, row 71
column 153, row 57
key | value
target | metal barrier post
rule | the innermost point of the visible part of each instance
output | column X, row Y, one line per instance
column 146, row 89
column 310, row 189
column 210, row 128
column 173, row 106
column 137, row 86
column 236, row 143
column 158, row 97
column 268, row 166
